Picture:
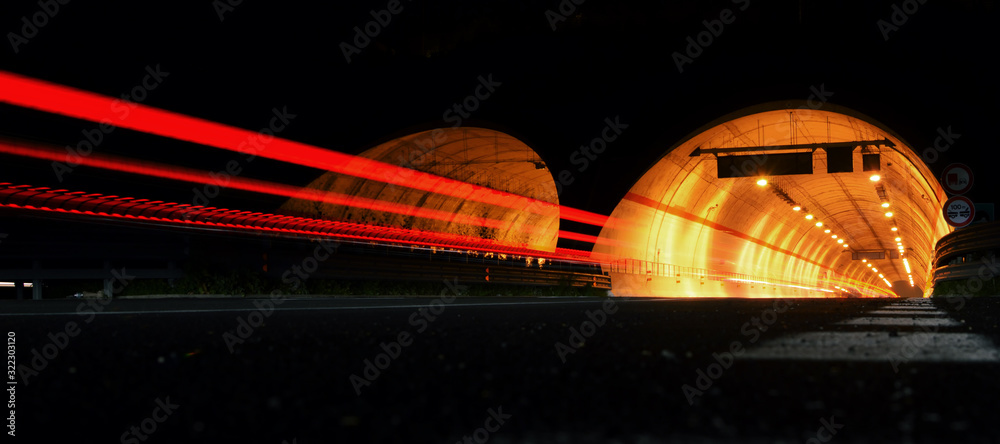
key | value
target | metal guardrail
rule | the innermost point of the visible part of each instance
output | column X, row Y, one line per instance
column 400, row 263
column 636, row 266
column 969, row 258
column 967, row 244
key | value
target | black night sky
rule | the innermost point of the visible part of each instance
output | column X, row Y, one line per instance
column 234, row 64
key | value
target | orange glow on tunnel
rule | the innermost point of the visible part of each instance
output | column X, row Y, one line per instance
column 695, row 233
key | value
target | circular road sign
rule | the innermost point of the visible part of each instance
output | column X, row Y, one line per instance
column 959, row 211
column 957, row 179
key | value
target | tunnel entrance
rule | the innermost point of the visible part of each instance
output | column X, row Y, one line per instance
column 779, row 200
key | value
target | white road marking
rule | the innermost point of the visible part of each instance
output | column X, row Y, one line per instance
column 910, row 307
column 927, row 345
column 922, row 313
column 878, row 346
column 902, row 322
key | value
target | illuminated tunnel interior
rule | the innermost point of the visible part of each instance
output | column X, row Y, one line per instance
column 779, row 200
column 473, row 155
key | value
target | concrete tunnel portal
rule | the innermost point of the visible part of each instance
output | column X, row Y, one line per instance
column 779, row 200
column 774, row 200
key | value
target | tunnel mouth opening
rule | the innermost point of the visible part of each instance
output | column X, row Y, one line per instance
column 779, row 200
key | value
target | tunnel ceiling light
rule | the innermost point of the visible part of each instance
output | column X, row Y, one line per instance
column 898, row 239
column 845, row 245
column 826, row 230
column 888, row 214
column 796, row 208
column 874, row 178
column 875, row 269
column 834, row 236
column 895, row 229
column 864, row 260
column 880, row 275
column 809, row 217
column 885, row 204
column 869, row 265
column 762, row 182
column 819, row 224
column 840, row 241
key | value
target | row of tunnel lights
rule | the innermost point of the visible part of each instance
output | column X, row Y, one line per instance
column 899, row 244
column 899, row 241
column 763, row 182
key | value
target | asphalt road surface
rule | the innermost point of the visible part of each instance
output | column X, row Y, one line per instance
column 503, row 370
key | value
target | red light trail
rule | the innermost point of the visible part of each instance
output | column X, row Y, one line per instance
column 26, row 198
column 49, row 97
column 152, row 169
column 258, row 186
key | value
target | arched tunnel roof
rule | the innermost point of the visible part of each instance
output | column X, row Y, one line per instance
column 683, row 213
column 474, row 155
